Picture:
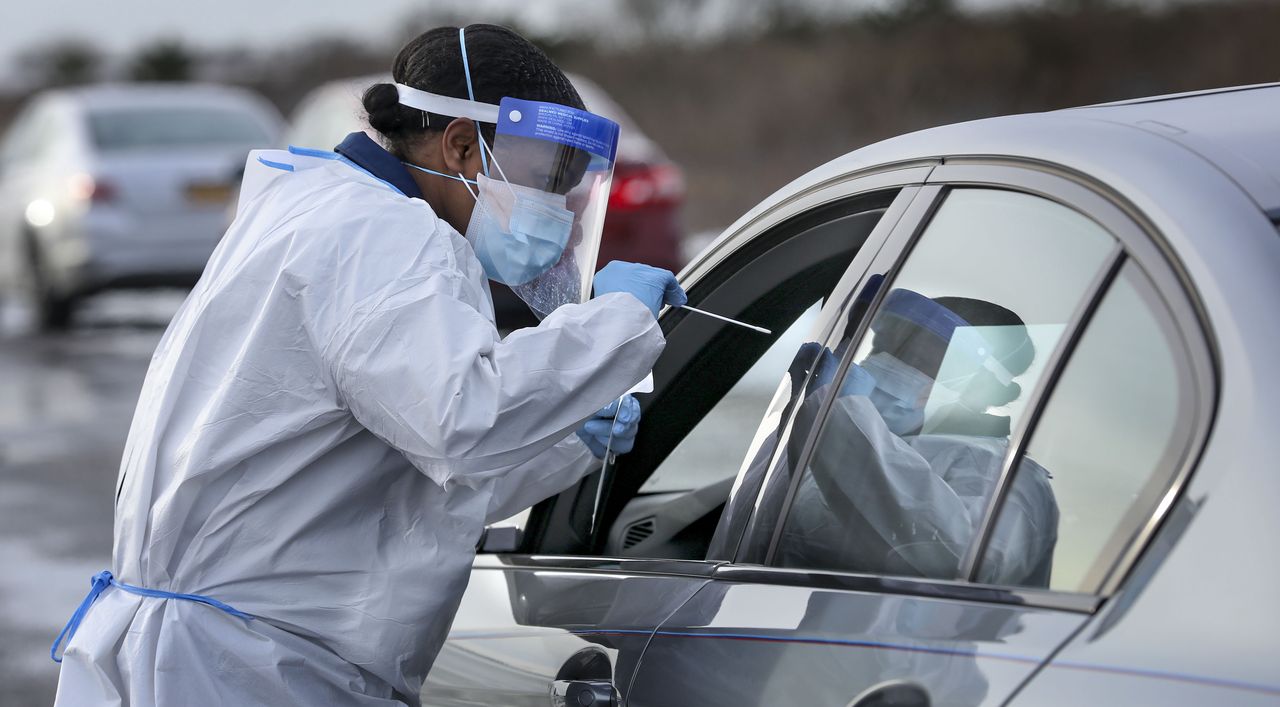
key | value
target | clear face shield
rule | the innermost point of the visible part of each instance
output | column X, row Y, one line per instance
column 542, row 196
column 539, row 214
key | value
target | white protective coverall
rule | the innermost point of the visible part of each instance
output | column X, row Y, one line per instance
column 326, row 426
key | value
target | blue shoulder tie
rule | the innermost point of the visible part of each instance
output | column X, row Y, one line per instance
column 104, row 579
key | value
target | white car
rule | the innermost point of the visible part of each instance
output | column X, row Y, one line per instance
column 120, row 186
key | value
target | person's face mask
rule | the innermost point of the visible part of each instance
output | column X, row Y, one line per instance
column 517, row 232
column 900, row 393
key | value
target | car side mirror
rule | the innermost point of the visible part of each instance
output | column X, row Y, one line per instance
column 501, row 538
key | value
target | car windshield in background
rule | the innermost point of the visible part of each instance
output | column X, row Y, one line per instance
column 132, row 129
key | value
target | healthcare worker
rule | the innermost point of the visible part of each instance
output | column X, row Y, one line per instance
column 910, row 453
column 332, row 417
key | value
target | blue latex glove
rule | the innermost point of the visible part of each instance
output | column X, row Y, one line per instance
column 652, row 286
column 595, row 431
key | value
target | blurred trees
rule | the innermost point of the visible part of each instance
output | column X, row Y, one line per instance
column 62, row 62
column 744, row 116
column 748, row 94
column 166, row 60
column 287, row 75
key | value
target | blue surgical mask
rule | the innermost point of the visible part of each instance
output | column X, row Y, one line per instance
column 536, row 231
column 517, row 232
column 900, row 393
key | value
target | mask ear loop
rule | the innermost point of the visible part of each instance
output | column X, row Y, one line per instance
column 467, row 183
column 505, row 181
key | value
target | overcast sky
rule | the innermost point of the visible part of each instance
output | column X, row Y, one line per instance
column 120, row 26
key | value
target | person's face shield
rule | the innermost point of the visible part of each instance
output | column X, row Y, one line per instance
column 541, row 199
column 565, row 156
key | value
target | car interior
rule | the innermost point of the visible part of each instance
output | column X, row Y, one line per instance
column 770, row 281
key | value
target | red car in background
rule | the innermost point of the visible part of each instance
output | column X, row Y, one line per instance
column 643, row 222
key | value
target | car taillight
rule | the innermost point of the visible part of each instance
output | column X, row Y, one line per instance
column 636, row 186
column 85, row 187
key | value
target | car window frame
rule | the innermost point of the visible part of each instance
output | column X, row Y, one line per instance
column 792, row 213
column 1138, row 242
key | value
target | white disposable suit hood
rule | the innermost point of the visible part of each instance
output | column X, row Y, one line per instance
column 326, row 426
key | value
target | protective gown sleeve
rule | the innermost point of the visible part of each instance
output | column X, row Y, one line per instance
column 428, row 373
column 542, row 477
column 864, row 470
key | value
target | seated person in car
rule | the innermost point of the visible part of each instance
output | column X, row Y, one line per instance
column 909, row 456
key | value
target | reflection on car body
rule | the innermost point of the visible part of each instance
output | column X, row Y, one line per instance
column 1094, row 560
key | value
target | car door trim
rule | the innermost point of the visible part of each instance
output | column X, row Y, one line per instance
column 909, row 586
column 603, row 565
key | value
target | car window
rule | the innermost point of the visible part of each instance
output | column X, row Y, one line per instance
column 122, row 129
column 1105, row 449
column 664, row 498
column 714, row 447
column 913, row 445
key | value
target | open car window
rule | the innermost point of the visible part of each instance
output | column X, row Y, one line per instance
column 712, row 386
column 711, row 451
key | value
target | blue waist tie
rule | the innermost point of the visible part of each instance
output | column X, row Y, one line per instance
column 104, row 579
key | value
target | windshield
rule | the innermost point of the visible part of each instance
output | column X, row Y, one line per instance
column 140, row 128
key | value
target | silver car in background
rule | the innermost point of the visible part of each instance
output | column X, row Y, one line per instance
column 120, row 186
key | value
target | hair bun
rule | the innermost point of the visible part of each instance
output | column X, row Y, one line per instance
column 382, row 104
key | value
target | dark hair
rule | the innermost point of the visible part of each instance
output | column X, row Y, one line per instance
column 502, row 63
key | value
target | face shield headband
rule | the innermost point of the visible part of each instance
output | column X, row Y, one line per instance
column 539, row 215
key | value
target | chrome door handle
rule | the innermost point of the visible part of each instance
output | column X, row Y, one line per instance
column 583, row 693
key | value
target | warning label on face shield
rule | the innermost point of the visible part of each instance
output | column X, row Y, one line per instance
column 561, row 124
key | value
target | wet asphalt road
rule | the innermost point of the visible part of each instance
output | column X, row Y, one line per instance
column 66, row 401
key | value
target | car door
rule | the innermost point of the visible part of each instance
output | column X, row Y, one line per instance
column 875, row 557
column 567, row 595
